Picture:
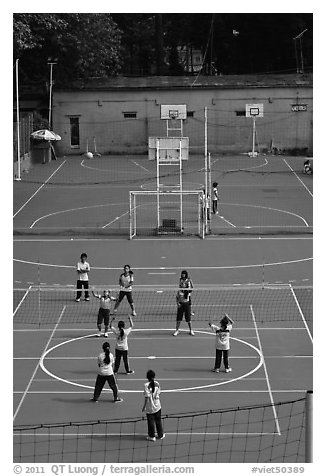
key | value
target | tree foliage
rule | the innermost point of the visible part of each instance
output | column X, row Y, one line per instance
column 82, row 45
column 101, row 44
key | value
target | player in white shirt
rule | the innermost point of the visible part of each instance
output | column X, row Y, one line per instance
column 104, row 311
column 126, row 280
column 83, row 269
column 152, row 406
column 105, row 363
column 215, row 198
column 222, row 342
column 121, row 348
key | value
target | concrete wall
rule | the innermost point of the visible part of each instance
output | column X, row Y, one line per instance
column 101, row 115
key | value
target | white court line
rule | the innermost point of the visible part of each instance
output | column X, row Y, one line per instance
column 115, row 219
column 301, row 313
column 73, row 210
column 227, row 221
column 21, row 301
column 302, row 183
column 218, row 383
column 265, row 369
column 38, row 364
column 138, row 165
column 212, row 237
column 40, row 188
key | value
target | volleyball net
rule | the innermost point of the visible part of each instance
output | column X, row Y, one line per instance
column 42, row 305
column 272, row 433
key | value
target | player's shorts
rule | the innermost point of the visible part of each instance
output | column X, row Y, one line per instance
column 184, row 310
column 103, row 315
column 128, row 294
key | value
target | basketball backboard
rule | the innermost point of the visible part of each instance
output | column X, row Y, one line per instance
column 254, row 110
column 173, row 111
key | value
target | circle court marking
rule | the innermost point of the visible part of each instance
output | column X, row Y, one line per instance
column 69, row 382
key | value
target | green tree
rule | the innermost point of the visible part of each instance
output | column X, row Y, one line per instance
column 84, row 45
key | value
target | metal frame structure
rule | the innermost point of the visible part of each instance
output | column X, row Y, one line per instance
column 133, row 206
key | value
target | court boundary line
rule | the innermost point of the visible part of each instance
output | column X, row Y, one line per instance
column 265, row 369
column 301, row 313
column 38, row 364
column 248, row 205
column 22, row 300
column 220, row 383
column 40, row 188
column 302, row 183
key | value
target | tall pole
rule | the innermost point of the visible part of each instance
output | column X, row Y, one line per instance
column 18, row 123
column 298, row 37
column 253, row 135
column 50, row 93
column 158, row 182
column 309, row 427
column 181, row 185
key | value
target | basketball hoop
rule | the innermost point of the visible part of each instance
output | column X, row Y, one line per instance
column 173, row 114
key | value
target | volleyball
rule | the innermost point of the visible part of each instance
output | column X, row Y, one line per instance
column 89, row 155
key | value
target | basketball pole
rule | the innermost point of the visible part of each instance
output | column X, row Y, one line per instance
column 253, row 135
column 158, row 181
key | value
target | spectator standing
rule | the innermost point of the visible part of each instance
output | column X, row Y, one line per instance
column 215, row 198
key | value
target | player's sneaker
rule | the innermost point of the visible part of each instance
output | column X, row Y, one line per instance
column 86, row 299
column 77, row 300
column 130, row 372
column 106, row 334
column 228, row 370
column 149, row 438
column 176, row 333
column 134, row 313
column 192, row 333
column 216, row 370
column 94, row 400
column 161, row 437
column 98, row 335
column 118, row 400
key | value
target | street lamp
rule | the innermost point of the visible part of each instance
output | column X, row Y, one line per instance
column 51, row 63
column 295, row 39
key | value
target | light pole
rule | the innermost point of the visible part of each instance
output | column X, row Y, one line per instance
column 51, row 63
column 18, row 177
column 295, row 39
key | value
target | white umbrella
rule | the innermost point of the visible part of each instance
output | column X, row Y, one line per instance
column 45, row 134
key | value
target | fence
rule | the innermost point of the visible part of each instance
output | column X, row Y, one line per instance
column 25, row 130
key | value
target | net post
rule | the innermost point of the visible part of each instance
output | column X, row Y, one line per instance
column 39, row 294
column 309, row 427
column 181, row 185
column 131, row 217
